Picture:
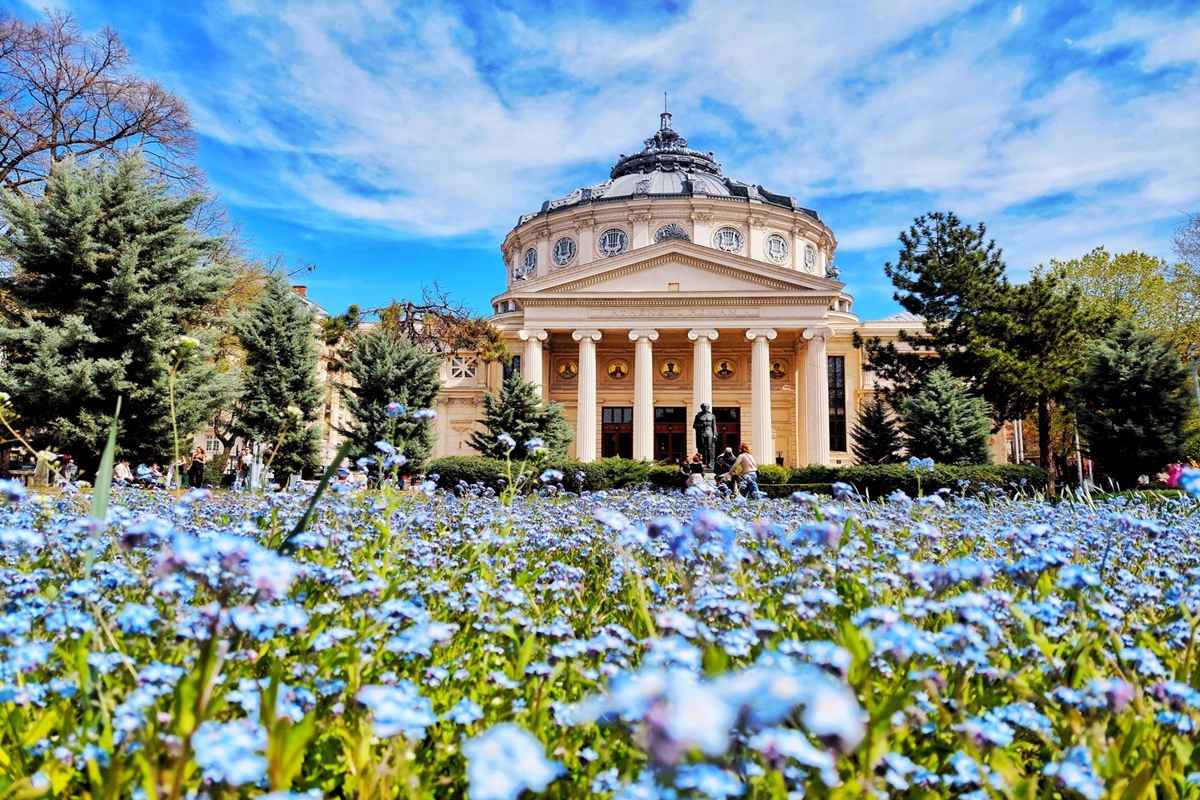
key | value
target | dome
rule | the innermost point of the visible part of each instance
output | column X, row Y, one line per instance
column 667, row 167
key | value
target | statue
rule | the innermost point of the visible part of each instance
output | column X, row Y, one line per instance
column 705, row 425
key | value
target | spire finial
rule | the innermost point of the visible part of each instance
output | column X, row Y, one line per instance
column 665, row 116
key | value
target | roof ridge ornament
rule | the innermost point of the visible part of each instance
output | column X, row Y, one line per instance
column 667, row 151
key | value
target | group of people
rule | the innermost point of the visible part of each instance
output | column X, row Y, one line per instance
column 150, row 475
column 737, row 474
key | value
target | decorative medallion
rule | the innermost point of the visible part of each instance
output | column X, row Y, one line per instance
column 729, row 239
column 568, row 370
column 528, row 265
column 776, row 248
column 670, row 370
column 672, row 230
column 641, row 187
column 810, row 257
column 724, row 370
column 612, row 242
column 564, row 251
column 618, row 370
column 778, row 370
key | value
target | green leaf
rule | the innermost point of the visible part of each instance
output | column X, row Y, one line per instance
column 103, row 486
column 287, row 547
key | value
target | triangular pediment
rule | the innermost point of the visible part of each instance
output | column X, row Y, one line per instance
column 677, row 266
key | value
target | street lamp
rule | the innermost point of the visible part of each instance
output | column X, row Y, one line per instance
column 1194, row 357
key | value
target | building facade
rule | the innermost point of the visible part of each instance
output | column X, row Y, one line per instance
column 634, row 301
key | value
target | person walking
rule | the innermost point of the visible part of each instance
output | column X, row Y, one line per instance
column 245, row 461
column 724, row 468
column 195, row 471
column 746, row 470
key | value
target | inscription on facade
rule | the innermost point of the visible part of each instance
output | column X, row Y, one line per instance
column 669, row 313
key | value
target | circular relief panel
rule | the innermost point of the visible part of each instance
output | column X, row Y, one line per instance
column 729, row 239
column 672, row 230
column 568, row 370
column 612, row 242
column 564, row 251
column 618, row 370
column 776, row 248
column 528, row 265
column 810, row 256
column 724, row 369
column 779, row 370
column 670, row 369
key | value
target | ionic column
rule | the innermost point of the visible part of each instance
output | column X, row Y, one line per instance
column 761, row 442
column 643, row 393
column 585, row 424
column 701, row 368
column 816, row 393
column 533, row 357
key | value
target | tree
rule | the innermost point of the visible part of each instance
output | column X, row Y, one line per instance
column 945, row 422
column 387, row 369
column 1133, row 403
column 438, row 324
column 1154, row 294
column 520, row 413
column 280, row 374
column 106, row 277
column 876, row 435
column 64, row 94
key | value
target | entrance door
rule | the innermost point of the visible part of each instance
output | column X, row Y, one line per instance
column 729, row 428
column 616, row 431
column 670, row 434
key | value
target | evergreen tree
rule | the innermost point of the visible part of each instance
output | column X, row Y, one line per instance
column 945, row 422
column 876, row 435
column 105, row 278
column 280, row 373
column 520, row 413
column 1133, row 403
column 387, row 368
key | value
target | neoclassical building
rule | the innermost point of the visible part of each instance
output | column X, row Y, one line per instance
column 669, row 285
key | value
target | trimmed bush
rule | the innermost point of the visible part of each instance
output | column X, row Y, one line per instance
column 771, row 475
column 880, row 481
column 786, row 489
column 665, row 477
column 619, row 472
column 813, row 473
column 594, row 475
column 453, row 470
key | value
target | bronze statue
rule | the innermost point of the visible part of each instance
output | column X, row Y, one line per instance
column 705, row 425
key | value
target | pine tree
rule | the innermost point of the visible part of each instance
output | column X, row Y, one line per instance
column 520, row 413
column 1133, row 403
column 106, row 277
column 945, row 422
column 876, row 436
column 281, row 373
column 387, row 368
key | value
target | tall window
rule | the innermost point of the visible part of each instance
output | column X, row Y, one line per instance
column 513, row 367
column 837, row 403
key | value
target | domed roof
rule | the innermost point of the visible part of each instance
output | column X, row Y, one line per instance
column 667, row 167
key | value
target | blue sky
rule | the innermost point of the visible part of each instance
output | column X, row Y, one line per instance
column 393, row 144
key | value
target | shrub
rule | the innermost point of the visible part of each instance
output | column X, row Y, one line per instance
column 621, row 472
column 813, row 473
column 453, row 470
column 880, row 481
column 594, row 475
column 665, row 477
column 787, row 489
column 771, row 475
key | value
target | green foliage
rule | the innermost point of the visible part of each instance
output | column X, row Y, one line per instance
column 452, row 471
column 1134, row 403
column 771, row 474
column 578, row 475
column 880, row 481
column 106, row 277
column 1152, row 293
column 387, row 368
column 620, row 472
column 281, row 363
column 1191, row 449
column 667, row 477
column 875, row 437
column 812, row 473
column 494, row 473
column 519, row 412
column 943, row 421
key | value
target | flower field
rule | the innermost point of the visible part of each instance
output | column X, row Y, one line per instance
column 625, row 644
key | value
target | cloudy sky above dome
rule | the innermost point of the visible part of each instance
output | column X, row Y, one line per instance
column 394, row 146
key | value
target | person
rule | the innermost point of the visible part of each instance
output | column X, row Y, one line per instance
column 724, row 369
column 617, row 370
column 69, row 469
column 195, row 471
column 245, row 460
column 671, row 370
column 705, row 425
column 156, row 474
column 695, row 471
column 746, row 470
column 122, row 473
column 725, row 464
column 144, row 477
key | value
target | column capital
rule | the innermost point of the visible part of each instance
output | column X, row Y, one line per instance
column 643, row 333
column 696, row 334
column 761, row 333
column 533, row 333
column 817, row 332
column 580, row 335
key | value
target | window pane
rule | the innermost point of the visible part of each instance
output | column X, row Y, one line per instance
column 837, row 403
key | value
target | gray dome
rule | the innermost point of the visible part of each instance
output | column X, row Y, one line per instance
column 667, row 167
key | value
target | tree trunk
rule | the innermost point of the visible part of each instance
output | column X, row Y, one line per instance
column 1044, row 449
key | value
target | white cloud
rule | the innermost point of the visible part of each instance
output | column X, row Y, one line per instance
column 1016, row 16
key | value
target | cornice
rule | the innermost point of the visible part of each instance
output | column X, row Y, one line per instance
column 685, row 301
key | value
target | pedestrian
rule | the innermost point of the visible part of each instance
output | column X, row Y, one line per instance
column 245, row 460
column 69, row 469
column 725, row 463
column 695, row 471
column 746, row 470
column 195, row 471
